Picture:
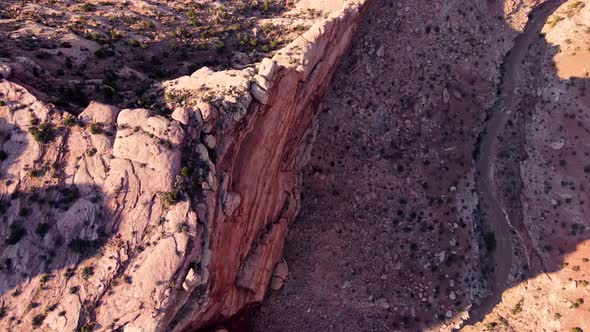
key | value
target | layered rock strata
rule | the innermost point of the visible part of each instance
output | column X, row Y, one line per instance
column 156, row 220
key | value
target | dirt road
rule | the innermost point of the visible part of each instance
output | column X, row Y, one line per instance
column 493, row 213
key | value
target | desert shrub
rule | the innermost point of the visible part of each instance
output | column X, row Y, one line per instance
column 555, row 20
column 182, row 227
column 170, row 198
column 518, row 307
column 35, row 173
column 96, row 128
column 86, row 328
column 87, row 7
column 15, row 235
column 44, row 133
column 166, row 143
column 491, row 325
column 25, row 212
column 69, row 121
column 91, row 152
column 185, row 172
column 42, row 229
column 115, row 35
column 38, row 320
column 104, row 52
column 44, row 278
column 87, row 272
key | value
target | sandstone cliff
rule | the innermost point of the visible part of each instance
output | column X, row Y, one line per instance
column 153, row 221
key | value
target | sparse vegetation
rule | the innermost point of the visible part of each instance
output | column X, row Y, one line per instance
column 182, row 227
column 191, row 30
column 554, row 20
column 87, row 272
column 16, row 234
column 517, row 307
column 38, row 320
column 44, row 133
column 170, row 198
column 69, row 121
column 44, row 278
column 42, row 229
column 96, row 128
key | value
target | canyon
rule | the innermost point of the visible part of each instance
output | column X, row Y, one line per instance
column 337, row 165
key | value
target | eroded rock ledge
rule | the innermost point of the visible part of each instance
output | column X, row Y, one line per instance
column 130, row 219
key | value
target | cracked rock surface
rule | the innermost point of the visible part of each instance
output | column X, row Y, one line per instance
column 159, row 219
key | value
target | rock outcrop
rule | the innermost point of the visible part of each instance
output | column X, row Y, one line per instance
column 151, row 220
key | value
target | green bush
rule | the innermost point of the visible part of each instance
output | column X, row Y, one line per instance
column 44, row 278
column 38, row 320
column 518, row 307
column 42, row 229
column 15, row 235
column 87, row 272
column 96, row 128
column 44, row 133
column 87, row 7
column 170, row 198
column 185, row 172
column 182, row 227
column 69, row 121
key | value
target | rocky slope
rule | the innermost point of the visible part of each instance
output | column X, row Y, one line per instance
column 144, row 220
column 391, row 235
